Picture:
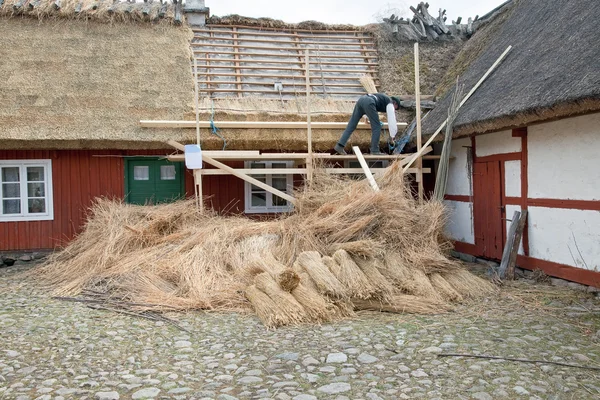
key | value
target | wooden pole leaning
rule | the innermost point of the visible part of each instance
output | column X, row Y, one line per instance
column 464, row 100
column 309, row 160
column 418, row 117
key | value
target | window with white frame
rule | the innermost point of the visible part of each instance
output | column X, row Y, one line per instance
column 26, row 190
column 259, row 200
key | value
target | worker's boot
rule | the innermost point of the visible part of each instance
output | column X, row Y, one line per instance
column 376, row 152
column 340, row 150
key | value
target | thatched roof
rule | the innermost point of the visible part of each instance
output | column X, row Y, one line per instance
column 552, row 71
column 66, row 83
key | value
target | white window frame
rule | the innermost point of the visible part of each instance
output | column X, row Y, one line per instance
column 269, row 208
column 25, row 215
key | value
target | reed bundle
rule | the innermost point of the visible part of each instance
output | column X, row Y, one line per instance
column 352, row 277
column 324, row 279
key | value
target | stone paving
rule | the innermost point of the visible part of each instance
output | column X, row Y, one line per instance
column 52, row 349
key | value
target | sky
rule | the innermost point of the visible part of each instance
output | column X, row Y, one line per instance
column 355, row 12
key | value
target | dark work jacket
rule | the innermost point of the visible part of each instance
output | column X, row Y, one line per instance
column 381, row 101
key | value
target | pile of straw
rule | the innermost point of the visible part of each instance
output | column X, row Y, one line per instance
column 343, row 248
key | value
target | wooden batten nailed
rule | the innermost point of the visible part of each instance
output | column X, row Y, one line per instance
column 254, row 124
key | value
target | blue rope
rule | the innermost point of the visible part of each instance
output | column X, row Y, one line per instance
column 213, row 128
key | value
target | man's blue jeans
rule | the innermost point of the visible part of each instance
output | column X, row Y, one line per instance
column 364, row 106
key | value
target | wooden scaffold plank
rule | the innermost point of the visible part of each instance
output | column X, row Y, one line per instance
column 255, row 124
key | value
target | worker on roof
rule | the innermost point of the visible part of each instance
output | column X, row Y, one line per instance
column 370, row 105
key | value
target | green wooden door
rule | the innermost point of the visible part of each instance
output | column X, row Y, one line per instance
column 152, row 181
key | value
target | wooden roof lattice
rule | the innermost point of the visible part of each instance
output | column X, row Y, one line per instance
column 239, row 61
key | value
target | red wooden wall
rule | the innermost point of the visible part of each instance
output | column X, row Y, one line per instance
column 78, row 177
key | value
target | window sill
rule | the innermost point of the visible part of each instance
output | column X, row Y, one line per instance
column 268, row 211
column 25, row 218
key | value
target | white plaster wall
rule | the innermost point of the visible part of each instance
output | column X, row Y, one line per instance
column 497, row 143
column 512, row 178
column 563, row 161
column 510, row 211
column 570, row 237
column 460, row 222
column 458, row 177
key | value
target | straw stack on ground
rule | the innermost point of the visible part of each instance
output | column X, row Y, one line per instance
column 344, row 247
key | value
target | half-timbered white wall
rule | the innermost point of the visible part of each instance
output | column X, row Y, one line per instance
column 563, row 160
column 564, row 163
column 497, row 143
column 460, row 224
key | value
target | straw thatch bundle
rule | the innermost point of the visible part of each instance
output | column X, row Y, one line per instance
column 352, row 277
column 287, row 306
column 288, row 280
column 172, row 257
column 326, row 282
column 317, row 308
column 265, row 308
column 307, row 281
column 368, row 83
column 444, row 288
column 467, row 284
column 370, row 267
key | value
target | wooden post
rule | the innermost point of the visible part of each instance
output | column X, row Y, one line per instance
column 309, row 160
column 197, row 176
column 197, row 101
column 198, row 189
column 365, row 167
column 418, row 117
column 464, row 100
column 236, row 57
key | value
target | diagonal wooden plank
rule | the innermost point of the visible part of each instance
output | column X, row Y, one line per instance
column 240, row 175
column 365, row 167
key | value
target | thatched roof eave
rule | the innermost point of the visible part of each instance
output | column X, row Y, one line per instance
column 528, row 117
column 281, row 140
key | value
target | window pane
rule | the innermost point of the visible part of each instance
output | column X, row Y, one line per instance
column 35, row 174
column 278, row 201
column 10, row 174
column 167, row 172
column 141, row 173
column 261, row 178
column 257, row 165
column 259, row 199
column 279, row 182
column 37, row 206
column 36, row 189
column 11, row 206
column 11, row 190
column 278, row 165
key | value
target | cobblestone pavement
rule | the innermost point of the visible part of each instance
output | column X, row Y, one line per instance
column 52, row 349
